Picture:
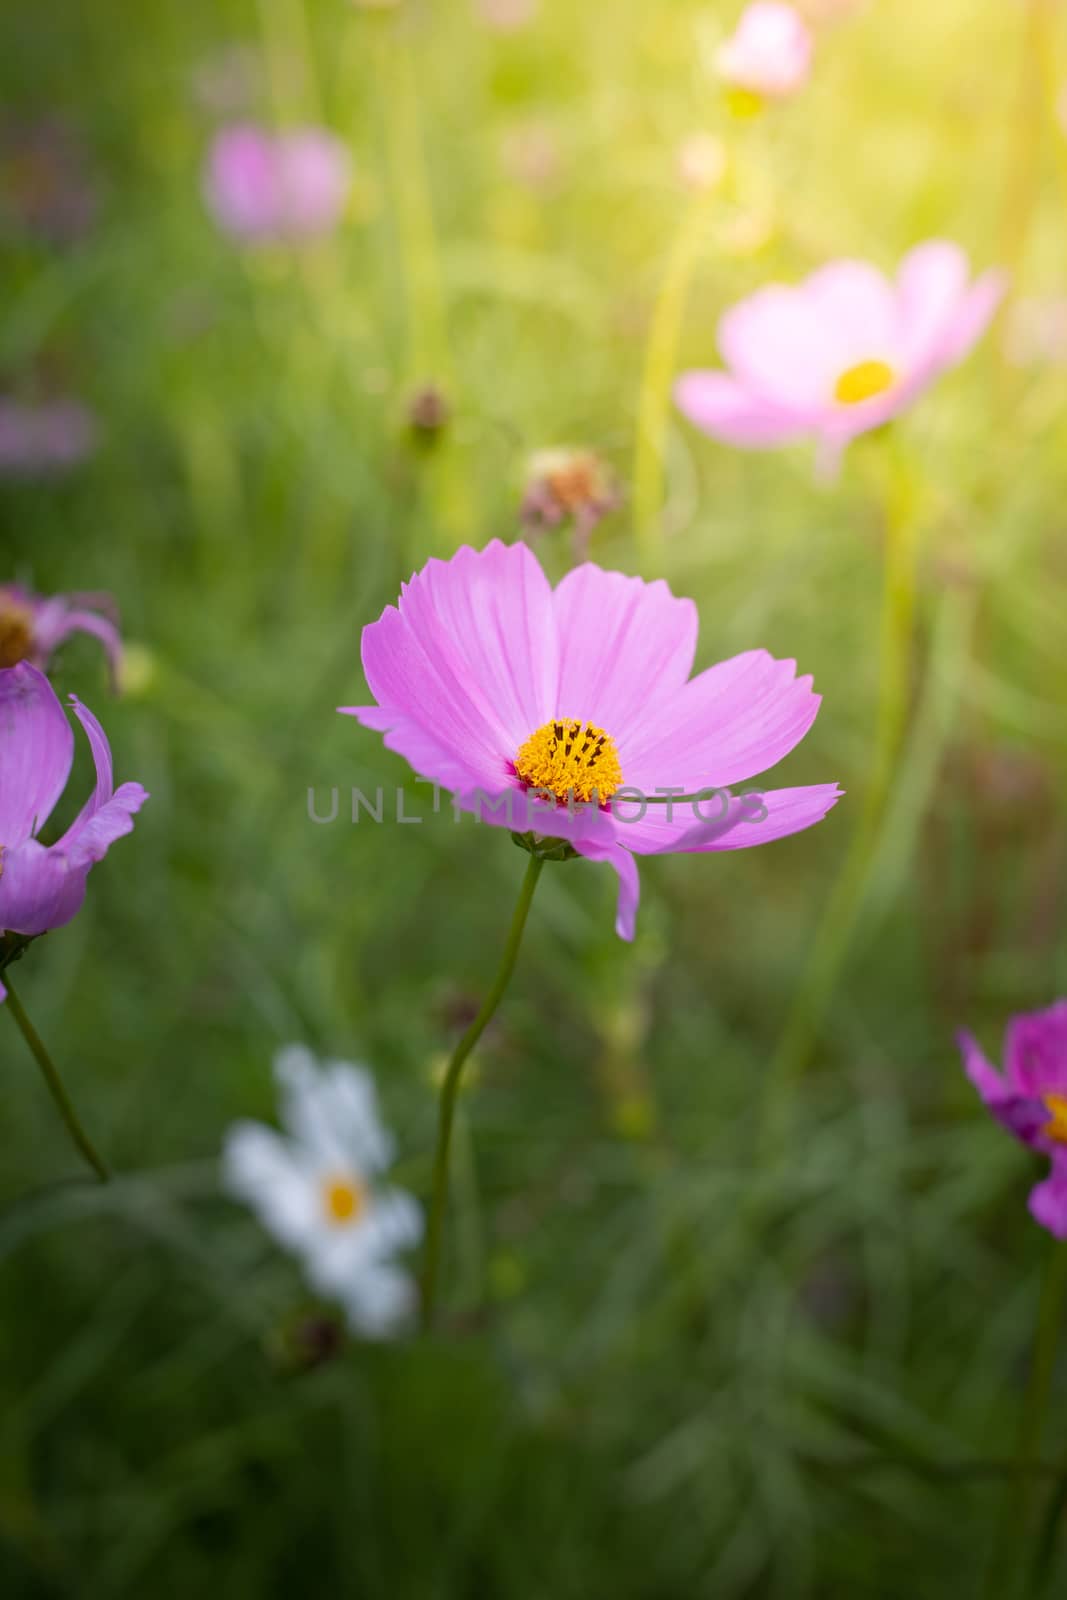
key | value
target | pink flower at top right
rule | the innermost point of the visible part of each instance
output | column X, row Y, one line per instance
column 841, row 353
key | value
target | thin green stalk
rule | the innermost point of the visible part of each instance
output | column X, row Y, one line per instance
column 1022, row 190
column 450, row 1089
column 429, row 356
column 1015, row 1516
column 846, row 899
column 661, row 352
column 54, row 1082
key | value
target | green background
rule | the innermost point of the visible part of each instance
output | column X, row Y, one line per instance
column 677, row 1360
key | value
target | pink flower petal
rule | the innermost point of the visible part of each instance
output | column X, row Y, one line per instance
column 722, row 406
column 728, row 724
column 1035, row 1051
column 931, row 285
column 629, row 882
column 1048, row 1200
column 626, row 647
column 38, row 889
column 784, row 346
column 36, row 752
column 975, row 314
column 106, row 815
column 856, row 307
column 485, row 620
column 788, row 811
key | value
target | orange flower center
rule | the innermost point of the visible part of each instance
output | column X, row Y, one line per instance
column 343, row 1200
column 571, row 759
column 16, row 634
column 863, row 381
column 1057, row 1128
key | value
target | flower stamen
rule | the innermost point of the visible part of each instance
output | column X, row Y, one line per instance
column 1057, row 1128
column 571, row 759
column 16, row 634
column 863, row 382
column 343, row 1200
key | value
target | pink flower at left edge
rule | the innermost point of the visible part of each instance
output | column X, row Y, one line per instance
column 1030, row 1099
column 43, row 886
column 33, row 626
column 841, row 353
column 515, row 696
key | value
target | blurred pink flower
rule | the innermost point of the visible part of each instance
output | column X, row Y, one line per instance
column 260, row 185
column 32, row 627
column 43, row 886
column 506, row 15
column 559, row 712
column 44, row 439
column 840, row 353
column 1030, row 1099
column 769, row 52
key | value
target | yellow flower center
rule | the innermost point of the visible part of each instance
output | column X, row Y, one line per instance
column 744, row 104
column 1057, row 1128
column 572, row 759
column 16, row 634
column 863, row 382
column 343, row 1199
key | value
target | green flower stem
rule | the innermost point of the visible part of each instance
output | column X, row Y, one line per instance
column 654, row 400
column 838, row 923
column 1015, row 1517
column 450, row 1090
column 54, row 1081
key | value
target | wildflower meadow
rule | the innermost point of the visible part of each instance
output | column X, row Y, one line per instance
column 533, row 778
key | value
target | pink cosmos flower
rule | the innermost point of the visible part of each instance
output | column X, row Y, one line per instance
column 769, row 53
column 262, row 186
column 43, row 886
column 840, row 353
column 1030, row 1099
column 559, row 712
column 32, row 627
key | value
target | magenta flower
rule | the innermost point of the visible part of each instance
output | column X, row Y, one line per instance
column 561, row 713
column 262, row 186
column 43, row 886
column 769, row 53
column 840, row 353
column 44, row 440
column 32, row 627
column 1030, row 1099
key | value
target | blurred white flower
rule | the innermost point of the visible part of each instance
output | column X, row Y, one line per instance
column 314, row 1188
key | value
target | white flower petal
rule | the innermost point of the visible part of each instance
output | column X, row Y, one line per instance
column 260, row 1168
column 380, row 1301
column 332, row 1112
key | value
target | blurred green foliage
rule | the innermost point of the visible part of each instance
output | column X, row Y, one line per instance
column 671, row 1366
